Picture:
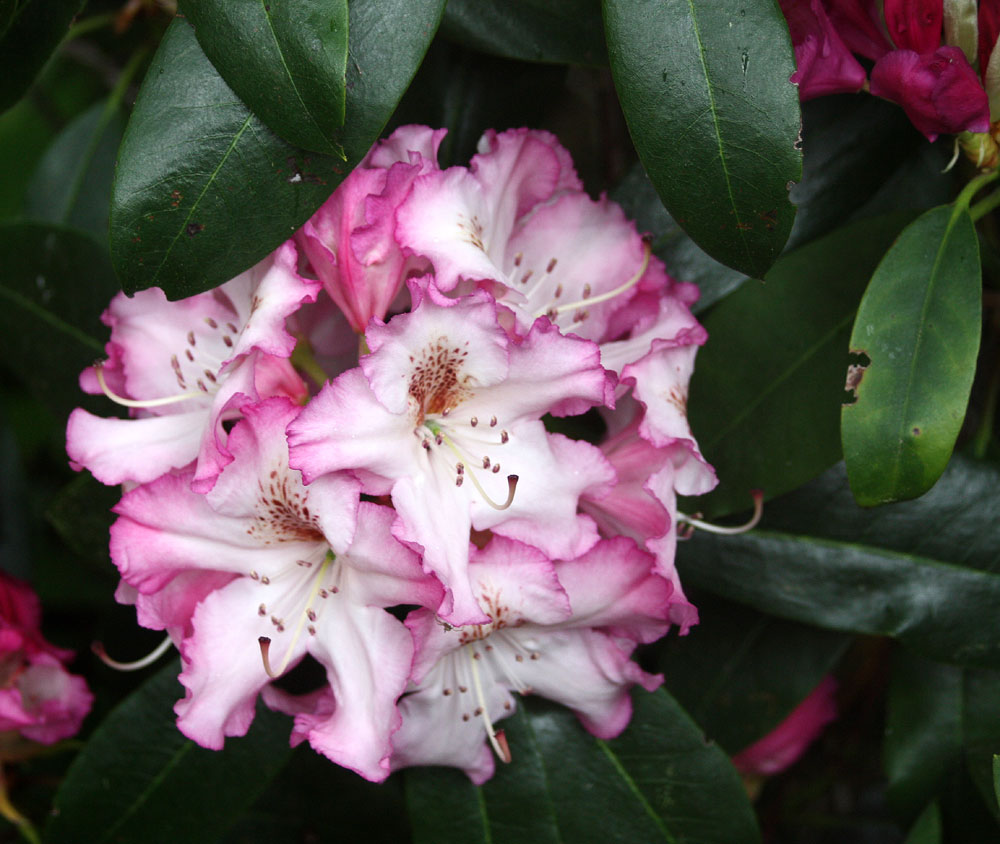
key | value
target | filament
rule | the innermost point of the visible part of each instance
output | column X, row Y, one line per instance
column 265, row 642
column 603, row 297
column 511, row 479
column 149, row 659
column 498, row 740
column 758, row 510
column 99, row 370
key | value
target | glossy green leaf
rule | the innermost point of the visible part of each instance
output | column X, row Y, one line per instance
column 927, row 828
column 684, row 259
column 704, row 87
column 203, row 189
column 918, row 328
column 893, row 575
column 767, row 387
column 739, row 673
column 33, row 30
column 563, row 31
column 286, row 61
column 49, row 320
column 72, row 184
column 140, row 781
column 659, row 781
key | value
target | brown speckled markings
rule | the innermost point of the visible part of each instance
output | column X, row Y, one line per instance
column 437, row 383
column 283, row 515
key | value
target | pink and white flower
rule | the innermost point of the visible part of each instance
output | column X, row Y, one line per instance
column 445, row 414
column 560, row 630
column 307, row 568
column 184, row 368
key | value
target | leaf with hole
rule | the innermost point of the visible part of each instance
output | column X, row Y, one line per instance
column 767, row 387
column 917, row 332
column 704, row 88
column 286, row 61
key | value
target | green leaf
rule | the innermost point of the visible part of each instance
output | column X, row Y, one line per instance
column 740, row 673
column 561, row 31
column 981, row 732
column 918, row 327
column 204, row 190
column 767, row 387
column 927, row 829
column 33, row 30
column 659, row 781
column 996, row 778
column 72, row 184
column 939, row 598
column 50, row 322
column 684, row 259
column 923, row 736
column 286, row 61
column 704, row 87
column 140, row 781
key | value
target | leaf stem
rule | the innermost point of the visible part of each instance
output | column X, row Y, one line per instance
column 304, row 360
column 24, row 826
column 971, row 189
column 90, row 24
column 984, row 206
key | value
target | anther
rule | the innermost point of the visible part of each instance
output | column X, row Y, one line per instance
column 496, row 468
column 262, row 610
column 559, row 290
column 586, row 291
column 504, row 437
column 460, row 468
column 474, row 421
column 551, row 266
column 265, row 580
column 486, row 462
column 493, row 421
column 459, row 480
column 211, row 322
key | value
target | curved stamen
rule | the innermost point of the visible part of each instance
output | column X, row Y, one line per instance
column 149, row 659
column 497, row 739
column 99, row 371
column 265, row 642
column 553, row 311
column 758, row 510
column 467, row 472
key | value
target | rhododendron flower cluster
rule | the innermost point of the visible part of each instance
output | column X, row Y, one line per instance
column 347, row 453
column 925, row 55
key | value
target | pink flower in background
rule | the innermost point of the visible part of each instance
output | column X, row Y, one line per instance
column 935, row 84
column 783, row 746
column 39, row 699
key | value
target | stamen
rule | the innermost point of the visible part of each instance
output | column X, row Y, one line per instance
column 307, row 613
column 468, row 473
column 954, row 158
column 99, row 371
column 499, row 741
column 149, row 659
column 758, row 510
column 588, row 300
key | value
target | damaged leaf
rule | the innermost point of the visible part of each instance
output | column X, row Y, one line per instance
column 919, row 325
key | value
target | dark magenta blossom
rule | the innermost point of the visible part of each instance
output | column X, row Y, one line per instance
column 915, row 24
column 939, row 91
column 824, row 64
